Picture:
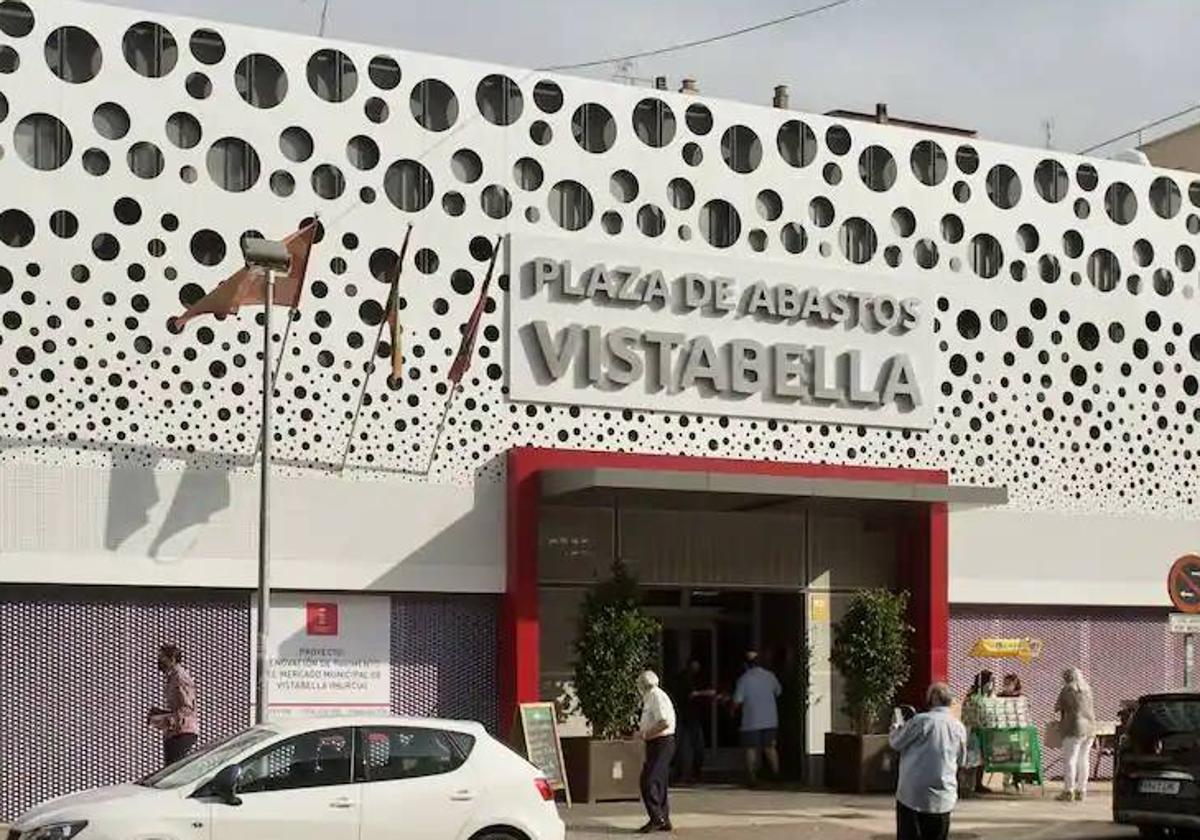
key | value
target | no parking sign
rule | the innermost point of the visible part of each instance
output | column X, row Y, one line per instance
column 1183, row 583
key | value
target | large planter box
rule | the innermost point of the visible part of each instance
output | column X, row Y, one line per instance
column 860, row 763
column 603, row 771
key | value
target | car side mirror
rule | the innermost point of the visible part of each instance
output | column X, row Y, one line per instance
column 224, row 785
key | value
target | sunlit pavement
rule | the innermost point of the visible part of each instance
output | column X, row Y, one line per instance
column 718, row 813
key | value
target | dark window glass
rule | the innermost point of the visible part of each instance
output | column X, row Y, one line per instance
column 314, row 759
column 404, row 752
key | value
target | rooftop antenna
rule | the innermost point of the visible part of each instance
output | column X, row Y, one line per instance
column 1048, row 131
column 626, row 72
column 324, row 18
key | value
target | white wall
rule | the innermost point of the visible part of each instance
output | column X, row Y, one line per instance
column 1002, row 556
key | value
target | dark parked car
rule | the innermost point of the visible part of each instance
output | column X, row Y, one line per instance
column 1157, row 786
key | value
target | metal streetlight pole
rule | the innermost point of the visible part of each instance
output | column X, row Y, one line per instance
column 268, row 256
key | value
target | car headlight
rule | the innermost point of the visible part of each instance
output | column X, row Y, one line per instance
column 55, row 831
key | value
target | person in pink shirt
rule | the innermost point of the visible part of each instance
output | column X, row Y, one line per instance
column 178, row 721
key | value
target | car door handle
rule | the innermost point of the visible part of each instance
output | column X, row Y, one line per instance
column 462, row 796
column 341, row 803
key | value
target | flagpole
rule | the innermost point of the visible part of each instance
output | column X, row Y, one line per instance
column 262, row 683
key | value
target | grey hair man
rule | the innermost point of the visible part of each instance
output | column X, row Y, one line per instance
column 657, row 729
column 932, row 746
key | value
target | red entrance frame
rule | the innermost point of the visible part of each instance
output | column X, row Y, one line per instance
column 924, row 563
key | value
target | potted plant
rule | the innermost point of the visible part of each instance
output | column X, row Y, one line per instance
column 615, row 643
column 871, row 650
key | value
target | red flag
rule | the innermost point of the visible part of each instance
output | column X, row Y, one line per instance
column 466, row 349
column 395, row 328
column 248, row 285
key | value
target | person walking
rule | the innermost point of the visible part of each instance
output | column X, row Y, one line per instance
column 932, row 747
column 756, row 694
column 657, row 729
column 692, row 695
column 178, row 722
column 1077, row 716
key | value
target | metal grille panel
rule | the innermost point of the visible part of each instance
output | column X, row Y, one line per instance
column 79, row 673
column 444, row 658
column 1123, row 652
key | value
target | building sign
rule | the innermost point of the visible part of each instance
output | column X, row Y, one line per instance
column 618, row 326
column 330, row 655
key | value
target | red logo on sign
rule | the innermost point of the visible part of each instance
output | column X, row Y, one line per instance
column 321, row 618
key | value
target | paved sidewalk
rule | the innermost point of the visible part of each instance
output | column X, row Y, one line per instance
column 726, row 813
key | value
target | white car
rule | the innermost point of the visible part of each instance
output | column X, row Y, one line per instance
column 379, row 778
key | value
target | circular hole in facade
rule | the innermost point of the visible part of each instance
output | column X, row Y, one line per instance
column 532, row 215
column 527, row 174
column 967, row 160
column 1104, row 270
column 769, row 205
column 16, row 228
column 797, row 143
column 145, row 160
column 700, row 120
column 1163, row 282
column 150, row 49
column 925, row 252
column 892, row 256
column 408, row 185
column 654, row 122
column 233, row 164
column 328, row 182
column 332, row 75
column 499, row 99
column 64, row 224
column 720, row 224
column 651, row 220
column 1143, row 253
column 837, row 139
column 207, row 46
column 570, row 205
column 832, row 174
column 106, row 247
column 952, row 228
column 540, row 132
column 857, row 240
column 1165, row 198
column 962, row 192
column 1120, row 203
column 929, row 163
column 10, row 60
column 183, row 130
column 296, row 144
column 877, row 168
column 434, row 105
column 987, row 257
column 623, row 185
column 1049, row 268
column 260, row 80
column 198, row 86
column 1073, row 244
column 1027, row 238
column 496, row 202
column 820, row 211
column 1082, row 208
column 426, row 261
column 16, row 19
column 1051, row 180
column 757, row 239
column 680, row 193
column 548, row 97
column 375, row 110
column 282, row 183
column 95, row 162
column 127, row 211
column 362, row 152
column 1003, row 186
column 1087, row 177
column 904, row 223
column 384, row 72
column 693, row 155
column 73, row 55
column 611, row 222
column 111, row 121
column 793, row 238
column 593, row 128
column 1185, row 258
column 42, row 141
column 466, row 166
column 454, row 204
column 207, row 247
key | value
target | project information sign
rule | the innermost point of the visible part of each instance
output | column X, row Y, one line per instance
column 619, row 326
column 329, row 655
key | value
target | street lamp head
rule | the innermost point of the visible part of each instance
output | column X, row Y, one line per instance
column 266, row 253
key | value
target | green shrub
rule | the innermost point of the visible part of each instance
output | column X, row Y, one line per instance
column 871, row 650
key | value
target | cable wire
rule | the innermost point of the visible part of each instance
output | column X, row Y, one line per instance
column 1141, row 128
column 701, row 41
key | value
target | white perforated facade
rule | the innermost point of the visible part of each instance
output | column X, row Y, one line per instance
column 138, row 149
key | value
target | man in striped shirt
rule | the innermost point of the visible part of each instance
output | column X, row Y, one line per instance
column 178, row 721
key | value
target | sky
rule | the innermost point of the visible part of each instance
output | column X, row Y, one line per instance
column 1095, row 68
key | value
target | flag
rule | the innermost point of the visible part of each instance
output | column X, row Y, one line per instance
column 395, row 328
column 248, row 285
column 466, row 349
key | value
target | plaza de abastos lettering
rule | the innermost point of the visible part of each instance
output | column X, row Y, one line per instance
column 804, row 345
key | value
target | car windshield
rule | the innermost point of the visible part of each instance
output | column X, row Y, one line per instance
column 1174, row 722
column 207, row 759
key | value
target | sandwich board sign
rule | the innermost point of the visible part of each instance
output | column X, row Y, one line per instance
column 535, row 734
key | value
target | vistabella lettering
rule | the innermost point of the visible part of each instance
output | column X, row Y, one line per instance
column 673, row 362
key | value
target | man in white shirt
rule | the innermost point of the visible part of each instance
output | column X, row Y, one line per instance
column 756, row 693
column 932, row 746
column 657, row 729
